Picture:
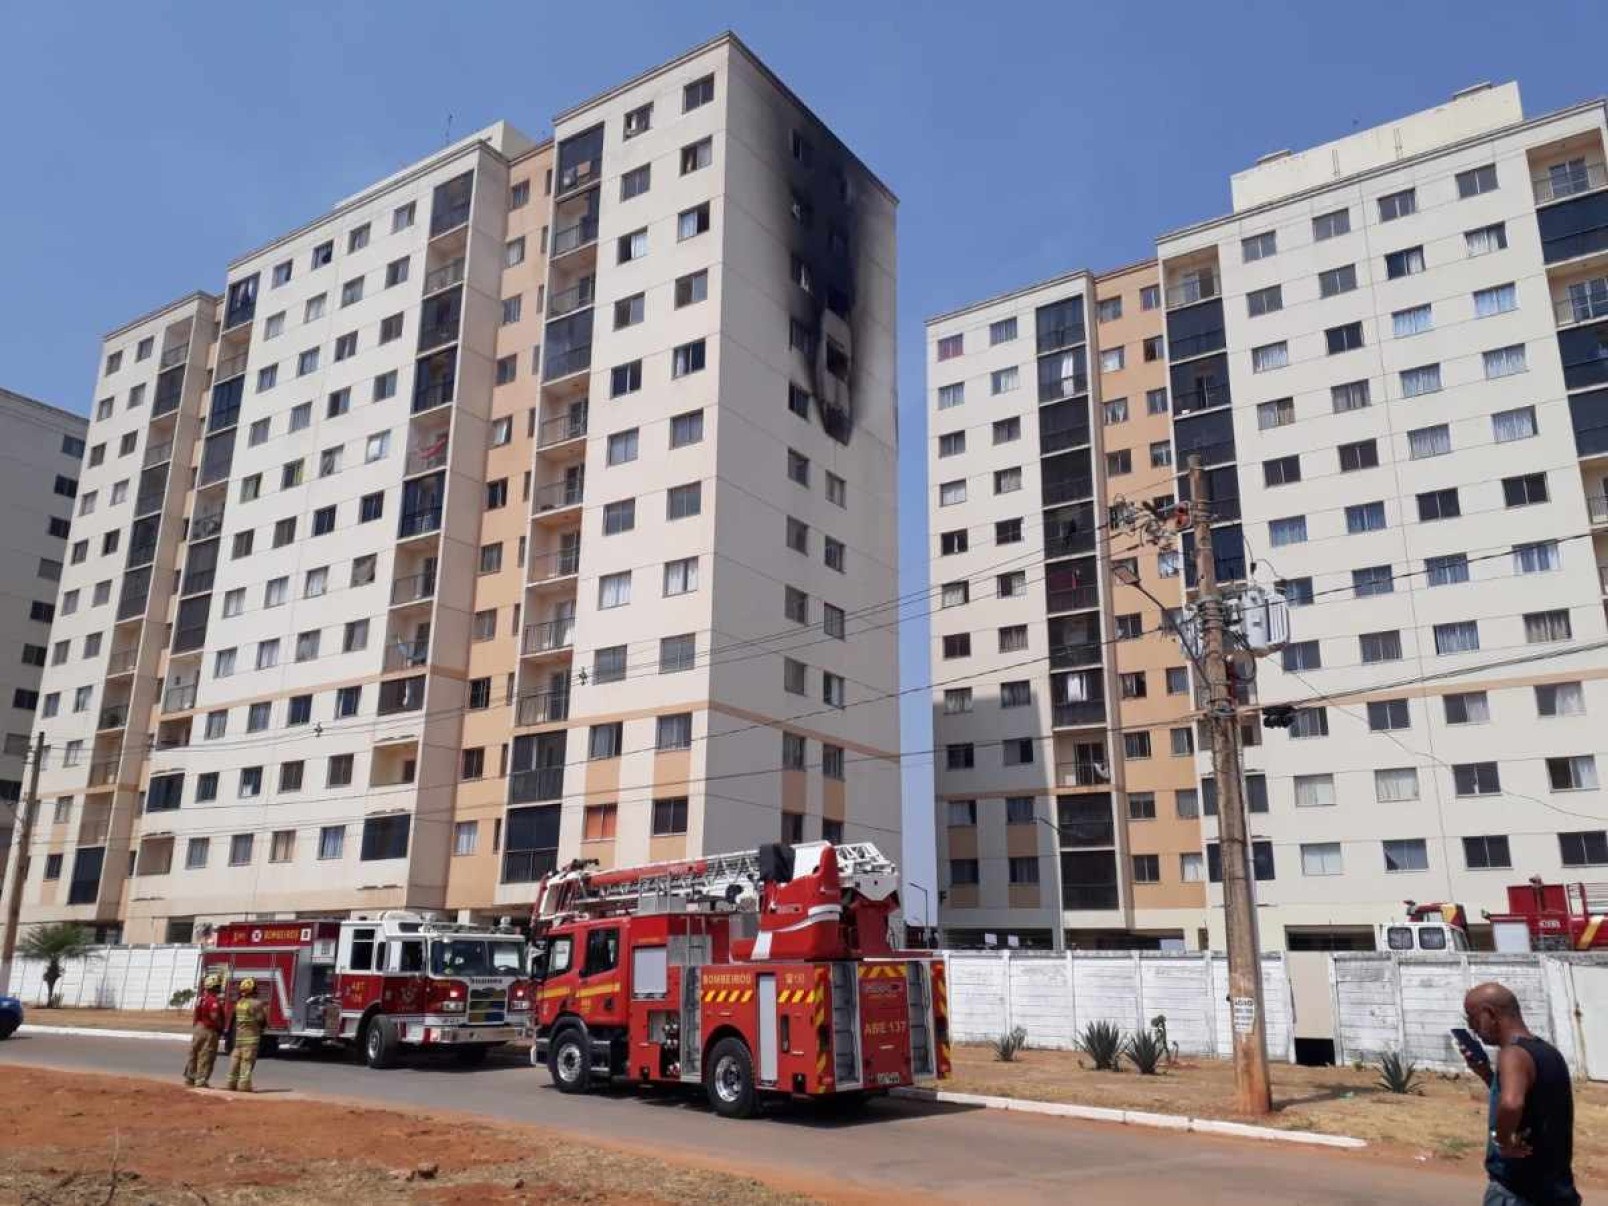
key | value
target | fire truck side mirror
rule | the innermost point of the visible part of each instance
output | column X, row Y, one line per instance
column 776, row 863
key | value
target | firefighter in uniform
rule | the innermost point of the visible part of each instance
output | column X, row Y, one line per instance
column 206, row 1027
column 250, row 1017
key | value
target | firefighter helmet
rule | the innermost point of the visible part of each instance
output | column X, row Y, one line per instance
column 247, row 986
column 212, row 984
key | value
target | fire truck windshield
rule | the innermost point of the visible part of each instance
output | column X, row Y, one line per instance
column 477, row 957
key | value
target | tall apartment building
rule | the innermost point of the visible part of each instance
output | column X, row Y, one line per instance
column 43, row 447
column 535, row 503
column 1391, row 359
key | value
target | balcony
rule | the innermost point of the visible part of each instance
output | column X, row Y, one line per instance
column 542, row 707
column 1081, row 774
column 1077, row 715
column 415, row 588
column 1208, row 397
column 141, row 553
column 574, row 237
column 406, row 655
column 1569, row 180
column 179, row 697
column 1201, row 287
column 438, row 334
column 1053, row 387
column 198, row 581
column 556, row 496
column 577, row 297
column 1587, row 300
column 540, row 783
column 449, row 203
column 156, row 454
column 429, row 396
column 419, row 523
column 189, row 638
column 230, row 366
column 561, row 429
column 122, row 661
column 401, row 695
column 565, row 364
column 1597, row 508
column 103, row 772
column 169, row 393
column 206, row 524
column 1059, row 439
column 444, row 277
column 431, row 454
column 1200, row 344
column 1076, row 598
column 113, row 717
column 550, row 637
column 174, row 355
column 560, row 563
column 582, row 174
column 131, row 603
column 1064, row 657
column 527, row 866
column 1060, row 490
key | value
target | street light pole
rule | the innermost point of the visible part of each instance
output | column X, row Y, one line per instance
column 926, row 908
column 1239, row 903
column 21, row 840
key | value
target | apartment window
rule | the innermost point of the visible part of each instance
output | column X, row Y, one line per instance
column 1136, row 745
column 1429, row 441
column 1264, row 301
column 677, row 653
column 1289, row 530
column 1149, row 297
column 1182, row 742
column 1476, row 181
column 1270, row 356
column 1439, row 504
column 1314, row 791
column 1365, row 517
column 833, row 691
column 1504, row 362
column 614, row 590
column 1302, row 655
column 1337, row 280
column 1525, row 490
column 682, row 502
column 692, row 288
column 1409, row 261
column 608, row 665
column 1363, row 454
column 240, row 850
column 700, row 92
column 1586, row 848
column 605, row 741
column 1385, row 715
column 1003, row 381
column 1541, row 627
column 635, row 182
column 1468, row 707
column 1331, row 225
column 1006, row 431
column 267, row 378
column 514, row 252
column 696, row 156
column 1130, row 627
column 1112, row 359
column 250, row 782
column 1256, row 247
column 1538, row 557
column 1310, row 722
column 347, row 702
column 1576, row 773
column 681, row 577
column 1380, row 646
column 1002, row 331
column 1116, row 411
column 1018, row 694
column 1346, row 338
column 1485, row 239
column 1446, row 571
column 1499, row 299
column 1186, row 802
column 951, row 346
column 483, row 625
column 1281, row 471
column 633, row 246
column 1278, row 413
column 1560, row 699
column 1398, row 205
column 957, row 645
column 690, row 223
column 1414, row 320
column 1461, row 636
column 1487, row 853
column 1321, row 858
column 1108, row 309
column 1409, row 854
column 1008, row 481
column 793, row 751
column 798, row 465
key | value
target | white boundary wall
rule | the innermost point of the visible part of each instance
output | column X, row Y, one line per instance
column 114, row 977
column 1053, row 997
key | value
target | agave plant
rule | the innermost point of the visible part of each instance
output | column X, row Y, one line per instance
column 1008, row 1046
column 1146, row 1050
column 1102, row 1042
column 1399, row 1074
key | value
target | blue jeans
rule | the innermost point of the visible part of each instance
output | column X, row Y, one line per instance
column 1500, row 1195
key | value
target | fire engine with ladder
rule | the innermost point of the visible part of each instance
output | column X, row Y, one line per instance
column 399, row 979
column 763, row 973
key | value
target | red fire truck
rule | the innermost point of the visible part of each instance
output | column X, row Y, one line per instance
column 1552, row 917
column 768, row 972
column 381, row 983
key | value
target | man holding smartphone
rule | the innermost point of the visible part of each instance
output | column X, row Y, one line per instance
column 1530, row 1145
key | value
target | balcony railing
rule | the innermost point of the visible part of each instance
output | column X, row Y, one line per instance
column 114, row 717
column 141, row 554
column 230, row 366
column 206, row 524
column 155, row 454
column 1082, row 834
column 198, row 582
column 122, row 661
column 560, row 563
column 1555, row 186
column 542, row 707
column 1059, row 439
column 577, row 297
column 1587, row 301
column 541, row 783
column 149, row 501
column 562, row 364
column 1188, row 346
column 1063, row 657
column 1195, row 289
column 448, row 217
column 1597, row 507
column 574, row 237
column 406, row 655
column 437, row 393
column 1068, row 715
column 1067, row 490
column 432, row 456
column 417, row 523
column 167, row 399
column 438, row 335
column 174, row 355
column 555, row 495
column 527, row 866
column 179, row 698
column 578, row 176
column 1052, row 389
column 103, row 772
column 1081, row 774
column 190, row 638
column 562, row 428
column 413, row 589
column 1208, row 397
column 132, row 603
column 548, row 636
column 1078, row 598
column 444, row 277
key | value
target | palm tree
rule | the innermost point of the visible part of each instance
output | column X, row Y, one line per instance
column 53, row 943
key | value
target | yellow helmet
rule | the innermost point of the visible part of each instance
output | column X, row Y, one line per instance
column 247, row 986
column 212, row 983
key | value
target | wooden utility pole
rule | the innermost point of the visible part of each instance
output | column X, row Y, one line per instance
column 1239, row 901
column 21, row 839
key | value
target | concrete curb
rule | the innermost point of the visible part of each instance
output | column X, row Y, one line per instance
column 166, row 1036
column 1167, row 1122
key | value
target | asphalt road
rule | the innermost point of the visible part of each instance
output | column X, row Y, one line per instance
column 948, row 1152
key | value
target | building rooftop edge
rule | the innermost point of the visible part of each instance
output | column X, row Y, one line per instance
column 12, row 396
column 1422, row 157
column 1070, row 275
column 196, row 295
column 725, row 38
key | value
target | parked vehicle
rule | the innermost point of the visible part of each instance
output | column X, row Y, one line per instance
column 1552, row 917
column 10, row 1016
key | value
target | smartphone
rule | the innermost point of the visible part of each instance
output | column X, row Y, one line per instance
column 1470, row 1046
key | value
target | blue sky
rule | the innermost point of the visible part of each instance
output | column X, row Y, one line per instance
column 148, row 144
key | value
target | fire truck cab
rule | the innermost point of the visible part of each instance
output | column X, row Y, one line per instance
column 1552, row 917
column 381, row 983
column 761, row 973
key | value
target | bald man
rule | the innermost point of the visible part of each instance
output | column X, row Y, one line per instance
column 1530, row 1146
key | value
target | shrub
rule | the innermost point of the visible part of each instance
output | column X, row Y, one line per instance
column 1398, row 1074
column 1102, row 1042
column 1146, row 1050
column 181, row 998
column 1008, row 1046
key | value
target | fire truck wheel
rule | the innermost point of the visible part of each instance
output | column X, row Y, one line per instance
column 379, row 1043
column 570, row 1062
column 729, row 1080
